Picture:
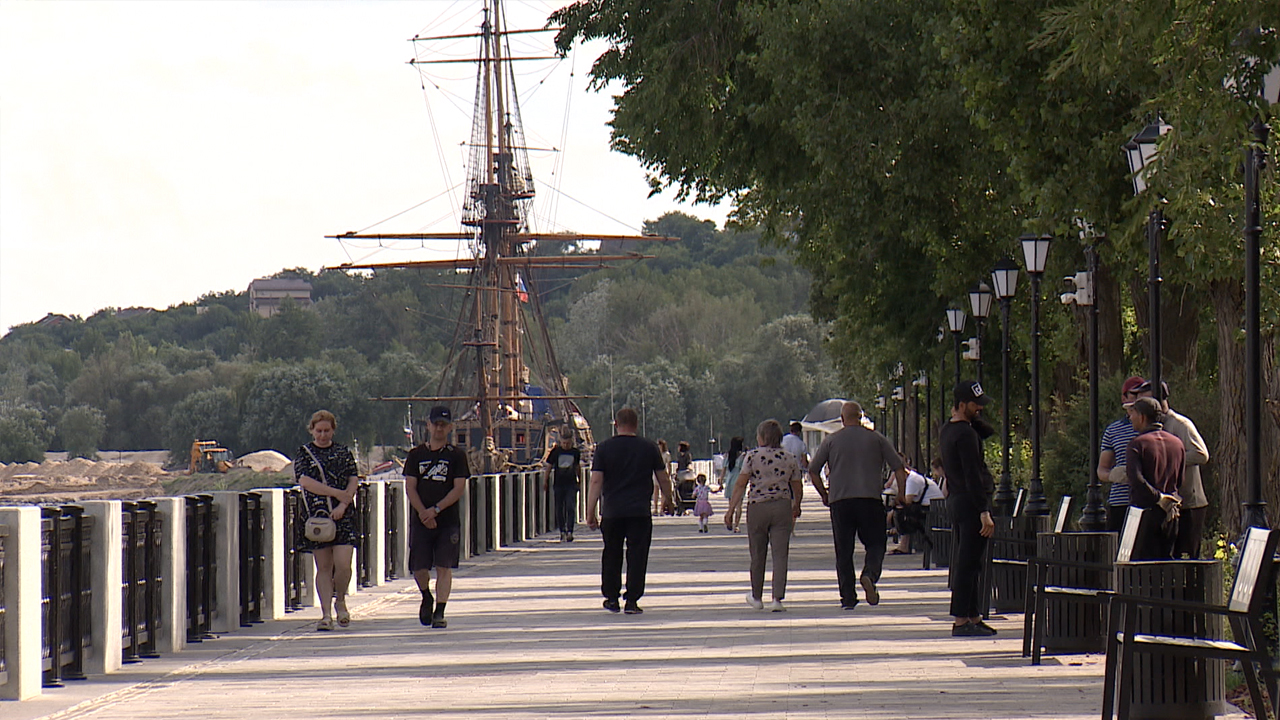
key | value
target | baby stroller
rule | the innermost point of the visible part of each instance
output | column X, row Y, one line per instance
column 684, row 492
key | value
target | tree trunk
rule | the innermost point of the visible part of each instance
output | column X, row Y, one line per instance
column 1179, row 325
column 1110, row 330
column 1227, row 459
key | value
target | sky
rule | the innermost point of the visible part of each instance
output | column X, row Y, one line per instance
column 155, row 151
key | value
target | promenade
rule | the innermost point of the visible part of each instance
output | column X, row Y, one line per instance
column 528, row 639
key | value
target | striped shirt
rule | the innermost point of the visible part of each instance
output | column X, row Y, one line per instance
column 1116, row 439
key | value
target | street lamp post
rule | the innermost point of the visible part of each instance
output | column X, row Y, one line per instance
column 1141, row 153
column 1093, row 518
column 1255, row 506
column 1004, row 277
column 955, row 323
column 1035, row 251
column 899, row 417
column 922, row 382
column 882, row 406
column 980, row 303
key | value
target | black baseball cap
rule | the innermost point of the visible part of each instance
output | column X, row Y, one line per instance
column 440, row 413
column 971, row 391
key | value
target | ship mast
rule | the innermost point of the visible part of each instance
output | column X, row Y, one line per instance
column 498, row 199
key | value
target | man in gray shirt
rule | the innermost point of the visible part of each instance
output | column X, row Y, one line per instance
column 854, row 457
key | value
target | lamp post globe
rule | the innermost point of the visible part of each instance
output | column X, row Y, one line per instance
column 1035, row 252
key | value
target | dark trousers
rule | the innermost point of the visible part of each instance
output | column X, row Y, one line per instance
column 966, row 565
column 1190, row 532
column 636, row 533
column 1155, row 538
column 863, row 518
column 1115, row 517
column 566, row 504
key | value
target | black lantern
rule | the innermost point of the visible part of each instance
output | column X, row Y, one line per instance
column 1004, row 278
column 955, row 323
column 1141, row 152
column 1265, row 92
column 980, row 297
column 1035, row 251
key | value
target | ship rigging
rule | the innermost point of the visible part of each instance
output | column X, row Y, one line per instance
column 502, row 378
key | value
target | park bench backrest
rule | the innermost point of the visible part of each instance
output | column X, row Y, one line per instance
column 1255, row 560
column 1129, row 534
column 1064, row 513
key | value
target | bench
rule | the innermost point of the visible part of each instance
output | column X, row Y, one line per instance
column 1164, row 627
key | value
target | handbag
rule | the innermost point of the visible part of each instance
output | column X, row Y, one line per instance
column 320, row 528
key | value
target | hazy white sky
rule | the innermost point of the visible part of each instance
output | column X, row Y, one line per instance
column 154, row 151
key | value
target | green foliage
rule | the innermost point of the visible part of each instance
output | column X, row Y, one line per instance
column 203, row 415
column 81, row 429
column 280, row 400
column 24, row 434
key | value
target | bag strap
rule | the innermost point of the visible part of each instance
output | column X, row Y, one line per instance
column 328, row 500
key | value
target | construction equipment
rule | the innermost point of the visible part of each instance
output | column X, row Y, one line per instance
column 207, row 457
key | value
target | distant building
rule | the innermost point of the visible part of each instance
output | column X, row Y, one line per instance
column 126, row 313
column 267, row 294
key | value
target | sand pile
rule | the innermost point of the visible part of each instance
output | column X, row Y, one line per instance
column 79, row 479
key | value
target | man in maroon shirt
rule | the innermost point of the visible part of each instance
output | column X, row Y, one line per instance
column 1156, row 462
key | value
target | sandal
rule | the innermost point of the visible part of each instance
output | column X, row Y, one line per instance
column 324, row 624
column 344, row 617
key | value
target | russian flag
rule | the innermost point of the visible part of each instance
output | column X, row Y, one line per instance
column 521, row 291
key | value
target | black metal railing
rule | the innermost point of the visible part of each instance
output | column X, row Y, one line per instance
column 253, row 560
column 395, row 511
column 365, row 549
column 140, row 580
column 295, row 577
column 200, row 567
column 65, row 596
column 4, row 665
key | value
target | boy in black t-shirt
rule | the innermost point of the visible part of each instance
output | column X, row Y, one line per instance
column 564, row 462
column 435, row 475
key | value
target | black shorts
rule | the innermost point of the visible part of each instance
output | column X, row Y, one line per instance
column 433, row 547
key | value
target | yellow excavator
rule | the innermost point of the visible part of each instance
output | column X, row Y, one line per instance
column 207, row 457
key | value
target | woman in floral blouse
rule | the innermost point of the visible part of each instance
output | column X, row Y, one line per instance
column 772, row 483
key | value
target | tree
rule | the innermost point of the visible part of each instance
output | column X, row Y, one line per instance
column 280, row 400
column 203, row 415
column 24, row 434
column 81, row 429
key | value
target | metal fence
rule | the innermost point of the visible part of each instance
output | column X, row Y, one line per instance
column 365, row 548
column 65, row 601
column 395, row 508
column 140, row 580
column 4, row 665
column 252, row 556
column 295, row 561
column 200, row 567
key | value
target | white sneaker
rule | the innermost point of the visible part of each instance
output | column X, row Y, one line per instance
column 755, row 602
column 776, row 606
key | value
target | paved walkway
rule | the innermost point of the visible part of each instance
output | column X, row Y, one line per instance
column 528, row 639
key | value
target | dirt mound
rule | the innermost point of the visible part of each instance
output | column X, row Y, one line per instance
column 264, row 461
column 57, row 481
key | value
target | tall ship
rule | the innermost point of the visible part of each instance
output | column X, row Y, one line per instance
column 502, row 380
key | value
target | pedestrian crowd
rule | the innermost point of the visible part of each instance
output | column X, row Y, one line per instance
column 1150, row 458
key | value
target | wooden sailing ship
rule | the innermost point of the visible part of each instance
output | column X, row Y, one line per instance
column 508, row 395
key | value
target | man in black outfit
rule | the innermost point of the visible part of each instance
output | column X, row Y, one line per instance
column 562, row 465
column 622, row 476
column 970, row 488
column 435, row 476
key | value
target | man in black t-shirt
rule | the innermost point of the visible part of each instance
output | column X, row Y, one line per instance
column 563, row 464
column 435, row 475
column 621, row 482
column 969, row 486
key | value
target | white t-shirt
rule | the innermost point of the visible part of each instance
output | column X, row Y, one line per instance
column 794, row 444
column 917, row 484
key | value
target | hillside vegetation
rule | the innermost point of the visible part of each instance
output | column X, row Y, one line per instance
column 712, row 335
